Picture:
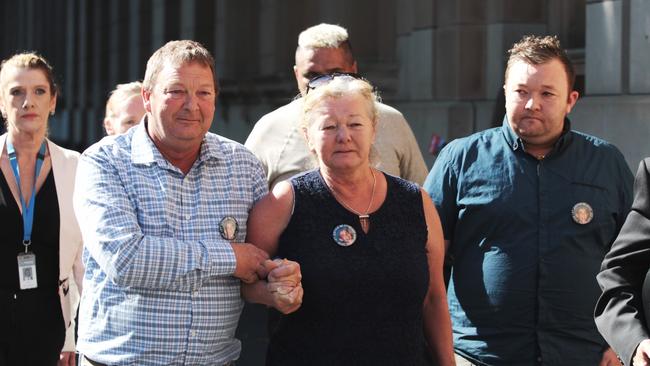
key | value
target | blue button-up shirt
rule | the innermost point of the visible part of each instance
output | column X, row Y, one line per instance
column 523, row 286
column 158, row 284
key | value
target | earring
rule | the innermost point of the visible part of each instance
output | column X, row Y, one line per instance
column 51, row 113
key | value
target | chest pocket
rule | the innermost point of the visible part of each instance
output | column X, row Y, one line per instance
column 591, row 213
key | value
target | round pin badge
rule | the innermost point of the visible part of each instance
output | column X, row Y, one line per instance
column 228, row 228
column 344, row 235
column 582, row 213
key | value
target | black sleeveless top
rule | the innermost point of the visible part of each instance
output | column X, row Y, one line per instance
column 362, row 304
column 31, row 320
column 45, row 237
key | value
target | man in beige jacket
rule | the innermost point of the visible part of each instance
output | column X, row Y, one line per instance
column 277, row 139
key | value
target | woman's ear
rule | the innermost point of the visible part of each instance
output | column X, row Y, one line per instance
column 53, row 104
column 305, row 133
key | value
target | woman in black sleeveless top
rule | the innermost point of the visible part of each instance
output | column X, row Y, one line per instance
column 369, row 245
column 36, row 290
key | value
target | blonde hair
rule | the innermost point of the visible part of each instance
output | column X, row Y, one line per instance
column 177, row 53
column 121, row 93
column 32, row 60
column 326, row 36
column 339, row 86
column 323, row 36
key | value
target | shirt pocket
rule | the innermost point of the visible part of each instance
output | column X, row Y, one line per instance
column 600, row 228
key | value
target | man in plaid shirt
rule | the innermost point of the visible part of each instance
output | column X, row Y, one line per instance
column 157, row 207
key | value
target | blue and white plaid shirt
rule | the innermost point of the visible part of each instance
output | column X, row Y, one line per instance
column 158, row 284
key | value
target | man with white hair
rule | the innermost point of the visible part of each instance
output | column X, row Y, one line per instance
column 277, row 139
column 124, row 108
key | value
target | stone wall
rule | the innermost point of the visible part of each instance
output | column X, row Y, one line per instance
column 439, row 61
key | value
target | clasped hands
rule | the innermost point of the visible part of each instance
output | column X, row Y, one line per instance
column 283, row 282
column 281, row 278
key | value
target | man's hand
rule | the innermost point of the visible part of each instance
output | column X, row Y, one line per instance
column 67, row 359
column 284, row 283
column 642, row 354
column 609, row 358
column 250, row 262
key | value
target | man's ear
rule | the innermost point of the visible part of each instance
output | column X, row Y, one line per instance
column 146, row 95
column 298, row 78
column 571, row 101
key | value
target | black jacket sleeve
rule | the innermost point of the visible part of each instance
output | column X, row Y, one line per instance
column 619, row 312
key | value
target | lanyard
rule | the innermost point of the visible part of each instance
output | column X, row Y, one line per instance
column 28, row 212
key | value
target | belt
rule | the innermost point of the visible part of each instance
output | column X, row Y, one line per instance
column 94, row 363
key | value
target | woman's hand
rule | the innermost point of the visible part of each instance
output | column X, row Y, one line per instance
column 284, row 284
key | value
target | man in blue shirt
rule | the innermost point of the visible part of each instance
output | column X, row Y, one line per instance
column 528, row 211
column 163, row 211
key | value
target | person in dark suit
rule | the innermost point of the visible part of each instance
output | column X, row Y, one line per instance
column 619, row 311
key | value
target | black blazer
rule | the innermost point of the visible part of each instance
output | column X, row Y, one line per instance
column 619, row 312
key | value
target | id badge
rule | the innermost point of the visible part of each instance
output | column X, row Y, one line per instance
column 27, row 270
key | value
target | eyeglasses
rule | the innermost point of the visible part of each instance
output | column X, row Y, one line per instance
column 321, row 80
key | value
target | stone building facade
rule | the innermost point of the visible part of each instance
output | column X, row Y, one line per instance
column 439, row 61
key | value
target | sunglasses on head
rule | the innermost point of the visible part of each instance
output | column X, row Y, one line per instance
column 321, row 80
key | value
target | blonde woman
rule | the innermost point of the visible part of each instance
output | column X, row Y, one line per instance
column 41, row 267
column 375, row 294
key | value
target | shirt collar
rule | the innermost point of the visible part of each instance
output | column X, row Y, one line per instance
column 516, row 143
column 144, row 151
column 511, row 137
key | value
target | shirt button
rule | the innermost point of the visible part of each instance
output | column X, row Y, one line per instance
column 193, row 333
column 188, row 217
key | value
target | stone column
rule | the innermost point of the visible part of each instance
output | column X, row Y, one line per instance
column 605, row 47
column 187, row 19
column 639, row 45
column 416, row 31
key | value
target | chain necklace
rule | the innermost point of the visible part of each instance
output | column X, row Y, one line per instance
column 364, row 218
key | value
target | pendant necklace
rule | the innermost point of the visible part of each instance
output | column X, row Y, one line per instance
column 364, row 218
